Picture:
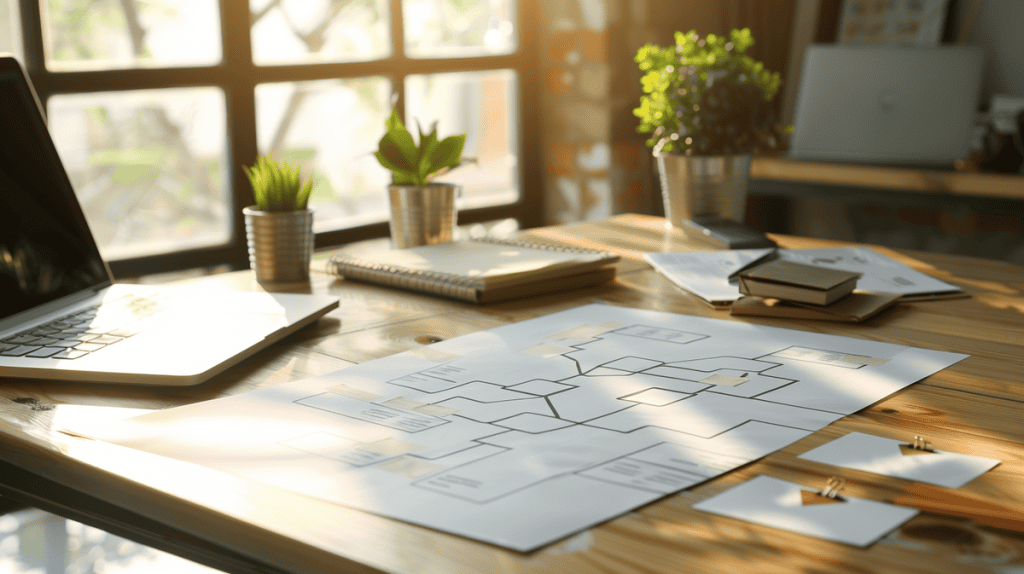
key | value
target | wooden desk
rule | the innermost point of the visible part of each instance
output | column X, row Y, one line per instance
column 244, row 526
column 912, row 180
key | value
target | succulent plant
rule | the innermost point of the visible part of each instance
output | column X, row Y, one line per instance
column 415, row 164
column 278, row 187
column 706, row 97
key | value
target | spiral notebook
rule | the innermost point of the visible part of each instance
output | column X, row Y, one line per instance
column 481, row 271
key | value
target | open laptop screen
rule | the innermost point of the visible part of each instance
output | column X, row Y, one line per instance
column 46, row 249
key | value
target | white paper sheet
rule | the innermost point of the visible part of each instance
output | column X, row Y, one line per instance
column 706, row 273
column 522, row 449
column 882, row 274
column 882, row 456
column 777, row 503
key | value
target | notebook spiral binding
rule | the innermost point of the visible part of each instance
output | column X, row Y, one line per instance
column 438, row 282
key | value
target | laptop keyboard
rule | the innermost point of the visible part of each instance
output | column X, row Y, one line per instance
column 85, row 331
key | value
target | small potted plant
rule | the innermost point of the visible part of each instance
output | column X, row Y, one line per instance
column 279, row 228
column 708, row 107
column 422, row 210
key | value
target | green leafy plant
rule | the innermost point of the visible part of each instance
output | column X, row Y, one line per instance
column 278, row 187
column 706, row 97
column 416, row 164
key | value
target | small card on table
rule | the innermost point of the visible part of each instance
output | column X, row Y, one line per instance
column 779, row 504
column 883, row 456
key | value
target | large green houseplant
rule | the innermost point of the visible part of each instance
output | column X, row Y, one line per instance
column 422, row 209
column 708, row 107
column 279, row 228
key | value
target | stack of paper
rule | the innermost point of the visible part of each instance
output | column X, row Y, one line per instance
column 798, row 282
column 707, row 274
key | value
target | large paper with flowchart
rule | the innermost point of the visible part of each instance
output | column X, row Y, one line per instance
column 527, row 433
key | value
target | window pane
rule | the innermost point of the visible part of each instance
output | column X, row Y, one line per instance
column 483, row 106
column 10, row 30
column 452, row 28
column 148, row 167
column 130, row 33
column 302, row 31
column 330, row 129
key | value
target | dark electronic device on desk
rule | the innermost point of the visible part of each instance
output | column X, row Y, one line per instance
column 725, row 233
column 62, row 316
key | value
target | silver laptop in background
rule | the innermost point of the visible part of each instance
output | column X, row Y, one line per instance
column 891, row 105
column 61, row 316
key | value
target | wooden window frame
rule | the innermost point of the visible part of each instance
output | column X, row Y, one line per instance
column 238, row 77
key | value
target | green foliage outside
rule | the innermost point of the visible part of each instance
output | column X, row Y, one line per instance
column 277, row 187
column 413, row 164
column 706, row 97
column 132, row 166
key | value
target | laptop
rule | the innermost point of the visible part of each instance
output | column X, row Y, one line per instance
column 61, row 315
column 888, row 105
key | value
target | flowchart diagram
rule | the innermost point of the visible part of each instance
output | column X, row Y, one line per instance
column 524, row 434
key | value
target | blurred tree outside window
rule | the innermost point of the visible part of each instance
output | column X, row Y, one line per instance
column 148, row 167
column 479, row 104
column 105, row 34
column 153, row 123
column 304, row 31
column 305, row 121
column 453, row 28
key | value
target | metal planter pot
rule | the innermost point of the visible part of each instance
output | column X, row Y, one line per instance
column 699, row 186
column 280, row 244
column 422, row 215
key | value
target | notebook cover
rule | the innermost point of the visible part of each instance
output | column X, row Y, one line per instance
column 478, row 271
column 800, row 275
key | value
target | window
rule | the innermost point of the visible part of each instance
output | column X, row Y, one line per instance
column 155, row 106
column 10, row 37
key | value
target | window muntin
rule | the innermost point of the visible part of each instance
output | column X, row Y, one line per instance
column 352, row 203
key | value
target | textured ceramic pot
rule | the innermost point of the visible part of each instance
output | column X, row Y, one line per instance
column 422, row 215
column 280, row 244
column 700, row 186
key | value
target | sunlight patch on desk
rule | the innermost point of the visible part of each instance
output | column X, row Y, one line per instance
column 81, row 416
column 410, row 467
column 432, row 354
column 582, row 332
column 546, row 350
column 1003, row 301
column 354, row 393
column 778, row 504
column 390, row 447
column 403, row 403
column 717, row 379
column 436, row 410
column 858, row 360
column 540, row 481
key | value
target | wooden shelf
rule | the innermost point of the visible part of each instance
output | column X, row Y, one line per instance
column 897, row 178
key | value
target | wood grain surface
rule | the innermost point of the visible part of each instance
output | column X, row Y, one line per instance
column 966, row 183
column 974, row 406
